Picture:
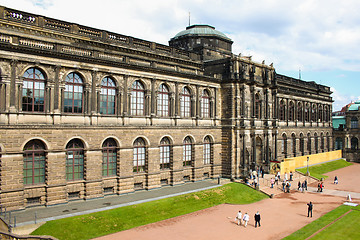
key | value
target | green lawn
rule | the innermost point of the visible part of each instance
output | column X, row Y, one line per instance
column 106, row 222
column 345, row 228
column 318, row 171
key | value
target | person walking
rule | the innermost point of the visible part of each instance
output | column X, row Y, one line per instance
column 238, row 218
column 336, row 180
column 255, row 182
column 288, row 185
column 272, row 182
column 283, row 185
column 291, row 175
column 246, row 219
column 257, row 218
column 303, row 187
column 305, row 184
column 310, row 208
column 299, row 186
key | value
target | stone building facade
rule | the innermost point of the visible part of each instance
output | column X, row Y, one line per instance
column 347, row 132
column 85, row 113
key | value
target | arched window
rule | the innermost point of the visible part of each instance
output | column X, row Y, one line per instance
column 326, row 114
column 354, row 143
column 316, row 143
column 284, row 145
column 187, row 152
column 205, row 104
column 108, row 96
column 165, row 153
column 282, row 110
column 33, row 91
column 307, row 113
column 257, row 106
column 354, row 122
column 322, row 142
column 328, row 141
column 302, row 147
column 291, row 111
column 185, row 103
column 207, row 150
column 139, row 160
column 109, row 154
column 293, row 137
column 338, row 143
column 321, row 117
column 137, row 99
column 299, row 112
column 34, row 163
column 163, row 101
column 73, row 95
column 74, row 160
column 309, row 143
column 313, row 113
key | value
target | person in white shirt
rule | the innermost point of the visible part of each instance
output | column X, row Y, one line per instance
column 246, row 219
column 239, row 218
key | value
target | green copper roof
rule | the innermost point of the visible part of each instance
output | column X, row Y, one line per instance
column 355, row 106
column 337, row 120
column 201, row 30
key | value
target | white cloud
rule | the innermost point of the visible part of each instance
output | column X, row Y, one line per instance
column 314, row 36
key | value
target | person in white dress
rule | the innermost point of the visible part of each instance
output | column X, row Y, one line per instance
column 246, row 219
column 238, row 218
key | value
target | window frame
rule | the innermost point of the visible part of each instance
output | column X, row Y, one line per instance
column 257, row 108
column 76, row 147
column 137, row 103
column 109, row 157
column 187, row 152
column 35, row 78
column 205, row 104
column 139, row 156
column 108, row 91
column 282, row 110
column 165, row 153
column 207, row 146
column 185, row 103
column 163, row 101
column 34, row 161
column 76, row 83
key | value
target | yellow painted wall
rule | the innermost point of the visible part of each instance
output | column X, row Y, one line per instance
column 290, row 164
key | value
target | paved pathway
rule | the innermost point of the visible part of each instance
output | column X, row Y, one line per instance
column 281, row 215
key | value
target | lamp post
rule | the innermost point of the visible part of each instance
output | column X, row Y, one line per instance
column 307, row 171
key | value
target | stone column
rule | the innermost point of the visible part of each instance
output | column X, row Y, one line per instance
column 153, row 97
column 57, row 96
column 197, row 102
column 126, row 95
column 94, row 96
column 13, row 90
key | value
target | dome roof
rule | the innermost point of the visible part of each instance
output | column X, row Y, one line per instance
column 201, row 30
column 355, row 106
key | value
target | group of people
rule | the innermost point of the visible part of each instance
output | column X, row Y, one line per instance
column 320, row 186
column 259, row 171
column 302, row 186
column 240, row 219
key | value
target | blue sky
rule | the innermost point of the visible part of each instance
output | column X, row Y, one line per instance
column 320, row 37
